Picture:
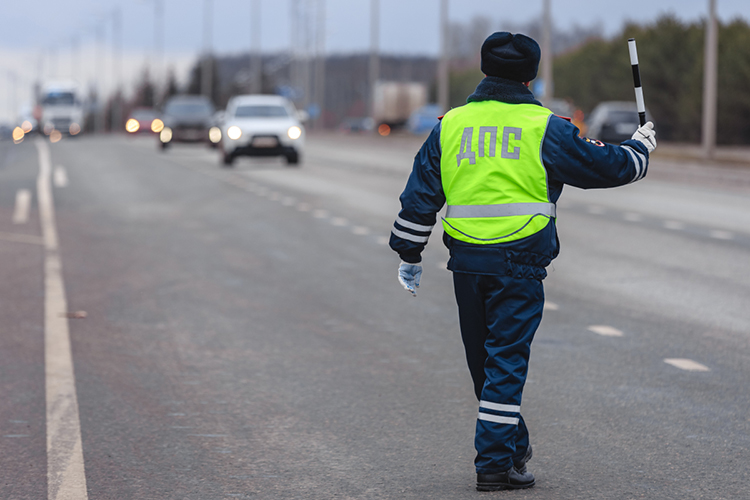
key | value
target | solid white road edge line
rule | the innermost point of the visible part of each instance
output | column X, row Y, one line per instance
column 23, row 204
column 66, row 477
column 686, row 364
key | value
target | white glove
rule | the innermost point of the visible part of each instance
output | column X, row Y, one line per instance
column 647, row 136
column 409, row 276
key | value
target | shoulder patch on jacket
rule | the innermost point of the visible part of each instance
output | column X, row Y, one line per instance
column 595, row 142
column 565, row 118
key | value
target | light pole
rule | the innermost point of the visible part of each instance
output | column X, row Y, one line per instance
column 710, row 83
column 443, row 90
column 374, row 67
column 117, row 69
column 547, row 54
column 158, row 42
column 207, row 69
column 256, row 66
column 320, row 66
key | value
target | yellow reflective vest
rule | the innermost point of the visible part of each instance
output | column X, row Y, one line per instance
column 491, row 168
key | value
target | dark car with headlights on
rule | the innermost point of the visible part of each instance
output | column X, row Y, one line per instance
column 614, row 121
column 187, row 118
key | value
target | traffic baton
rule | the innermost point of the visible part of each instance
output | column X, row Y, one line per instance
column 640, row 104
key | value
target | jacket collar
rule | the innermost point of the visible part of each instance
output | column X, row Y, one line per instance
column 494, row 88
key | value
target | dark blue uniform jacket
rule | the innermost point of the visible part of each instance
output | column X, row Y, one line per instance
column 568, row 159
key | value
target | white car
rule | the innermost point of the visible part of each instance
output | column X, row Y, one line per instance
column 261, row 125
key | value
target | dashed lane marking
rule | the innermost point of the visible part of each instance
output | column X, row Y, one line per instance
column 66, row 475
column 606, row 331
column 304, row 207
column 339, row 221
column 551, row 306
column 721, row 235
column 320, row 213
column 60, row 177
column 687, row 364
column 383, row 240
column 361, row 230
column 23, row 205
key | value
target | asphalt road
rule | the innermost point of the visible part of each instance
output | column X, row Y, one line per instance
column 240, row 333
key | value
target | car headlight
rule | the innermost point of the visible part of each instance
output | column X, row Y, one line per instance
column 166, row 135
column 132, row 125
column 234, row 132
column 157, row 125
column 294, row 132
column 74, row 129
column 214, row 134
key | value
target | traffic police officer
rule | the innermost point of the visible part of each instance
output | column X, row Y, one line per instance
column 500, row 163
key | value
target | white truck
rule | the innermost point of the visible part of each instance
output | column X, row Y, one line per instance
column 62, row 109
column 396, row 101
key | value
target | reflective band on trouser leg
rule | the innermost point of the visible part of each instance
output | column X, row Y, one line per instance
column 501, row 210
column 498, row 418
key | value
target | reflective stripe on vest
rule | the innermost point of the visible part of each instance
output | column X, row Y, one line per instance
column 494, row 181
column 503, row 210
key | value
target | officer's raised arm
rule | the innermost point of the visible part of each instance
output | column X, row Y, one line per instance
column 589, row 163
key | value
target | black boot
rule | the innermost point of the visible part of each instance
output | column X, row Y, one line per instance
column 511, row 479
column 521, row 464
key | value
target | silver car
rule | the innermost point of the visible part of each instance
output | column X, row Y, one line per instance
column 261, row 125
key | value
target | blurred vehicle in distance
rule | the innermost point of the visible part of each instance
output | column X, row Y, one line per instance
column 143, row 120
column 62, row 110
column 560, row 107
column 357, row 125
column 261, row 125
column 394, row 102
column 614, row 121
column 26, row 119
column 186, row 118
column 424, row 119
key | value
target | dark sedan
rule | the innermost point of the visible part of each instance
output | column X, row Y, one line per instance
column 187, row 119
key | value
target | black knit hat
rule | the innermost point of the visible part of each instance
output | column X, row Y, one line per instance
column 515, row 57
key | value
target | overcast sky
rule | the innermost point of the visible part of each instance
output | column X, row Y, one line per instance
column 32, row 30
column 408, row 26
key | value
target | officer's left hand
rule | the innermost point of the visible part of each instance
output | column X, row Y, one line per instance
column 647, row 136
column 409, row 276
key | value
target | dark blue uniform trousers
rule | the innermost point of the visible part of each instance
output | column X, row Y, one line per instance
column 498, row 316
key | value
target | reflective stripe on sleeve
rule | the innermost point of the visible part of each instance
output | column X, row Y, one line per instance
column 412, row 225
column 499, row 407
column 409, row 236
column 640, row 166
column 497, row 419
column 501, row 210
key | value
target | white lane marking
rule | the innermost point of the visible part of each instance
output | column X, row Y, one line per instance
column 550, row 306
column 607, row 331
column 66, row 476
column 632, row 217
column 383, row 240
column 686, row 364
column 339, row 221
column 674, row 225
column 721, row 235
column 288, row 201
column 320, row 214
column 23, row 204
column 441, row 265
column 361, row 230
column 595, row 210
column 22, row 238
column 60, row 177
column 304, row 207
column 274, row 196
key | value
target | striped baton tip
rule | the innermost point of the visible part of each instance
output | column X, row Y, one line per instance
column 640, row 103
